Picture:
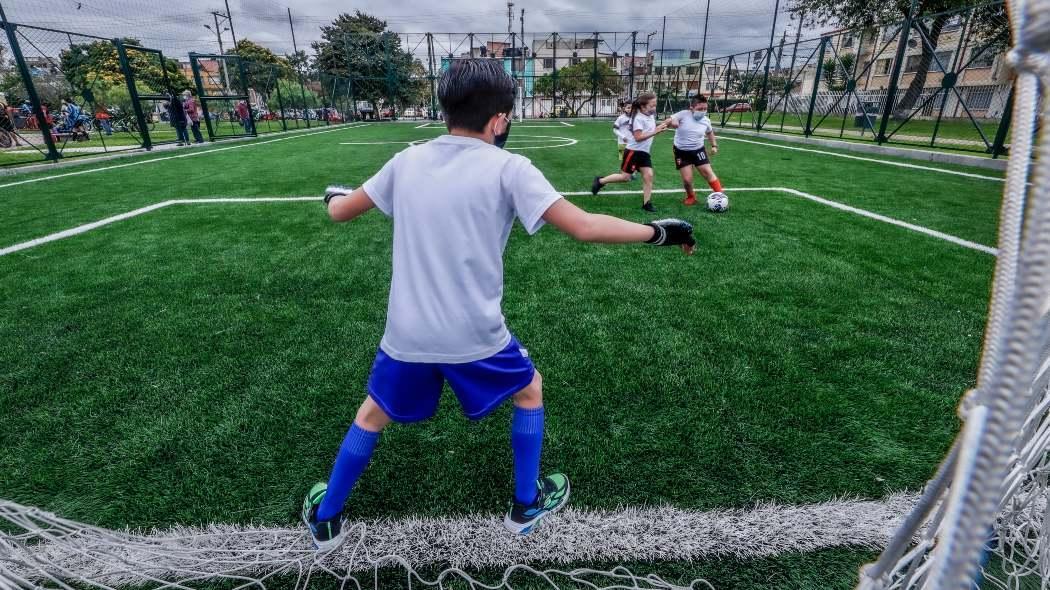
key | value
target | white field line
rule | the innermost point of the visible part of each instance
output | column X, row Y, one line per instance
column 567, row 141
column 572, row 536
column 188, row 154
column 834, row 204
column 863, row 159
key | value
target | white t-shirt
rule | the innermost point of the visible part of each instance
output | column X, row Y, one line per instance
column 690, row 133
column 622, row 129
column 645, row 124
column 453, row 201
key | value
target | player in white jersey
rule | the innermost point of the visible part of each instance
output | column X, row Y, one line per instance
column 453, row 202
column 622, row 131
column 691, row 127
column 637, row 155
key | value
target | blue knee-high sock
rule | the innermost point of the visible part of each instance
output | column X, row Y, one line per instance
column 353, row 457
column 526, row 439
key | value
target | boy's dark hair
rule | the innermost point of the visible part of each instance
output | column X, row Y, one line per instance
column 471, row 91
column 698, row 99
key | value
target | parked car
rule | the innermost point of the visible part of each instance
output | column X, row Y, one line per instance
column 410, row 112
column 740, row 107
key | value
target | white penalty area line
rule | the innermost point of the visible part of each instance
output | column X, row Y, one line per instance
column 187, row 154
column 80, row 229
column 573, row 536
column 834, row 204
column 863, row 159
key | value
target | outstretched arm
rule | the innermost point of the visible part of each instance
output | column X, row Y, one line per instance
column 344, row 206
column 642, row 136
column 606, row 229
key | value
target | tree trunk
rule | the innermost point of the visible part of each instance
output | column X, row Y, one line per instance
column 918, row 83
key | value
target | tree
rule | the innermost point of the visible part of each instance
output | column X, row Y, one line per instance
column 838, row 71
column 577, row 82
column 293, row 96
column 361, row 48
column 988, row 23
column 264, row 67
column 88, row 66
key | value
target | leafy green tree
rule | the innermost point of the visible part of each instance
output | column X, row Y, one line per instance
column 87, row 66
column 577, row 82
column 264, row 67
column 360, row 47
column 293, row 96
column 837, row 71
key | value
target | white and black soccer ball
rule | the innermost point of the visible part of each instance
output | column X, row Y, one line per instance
column 717, row 202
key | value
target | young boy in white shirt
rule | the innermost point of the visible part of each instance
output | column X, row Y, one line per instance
column 453, row 201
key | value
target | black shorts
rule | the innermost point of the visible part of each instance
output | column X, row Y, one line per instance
column 633, row 160
column 683, row 158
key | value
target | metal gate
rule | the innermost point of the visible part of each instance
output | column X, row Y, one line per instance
column 222, row 86
column 151, row 89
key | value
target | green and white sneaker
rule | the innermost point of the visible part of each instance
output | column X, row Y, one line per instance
column 326, row 534
column 553, row 494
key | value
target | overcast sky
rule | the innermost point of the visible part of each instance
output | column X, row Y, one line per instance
column 177, row 26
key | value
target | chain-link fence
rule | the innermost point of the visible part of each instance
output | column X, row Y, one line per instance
column 932, row 80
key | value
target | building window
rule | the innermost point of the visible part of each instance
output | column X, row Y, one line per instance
column 890, row 32
column 943, row 63
column 712, row 70
column 984, row 59
column 692, row 70
column 548, row 63
column 944, row 57
column 847, row 41
column 882, row 67
column 979, row 97
column 694, row 55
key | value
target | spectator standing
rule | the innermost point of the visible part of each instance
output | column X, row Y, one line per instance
column 245, row 115
column 193, row 116
column 177, row 118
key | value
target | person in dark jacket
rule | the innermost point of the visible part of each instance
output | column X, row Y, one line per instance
column 177, row 118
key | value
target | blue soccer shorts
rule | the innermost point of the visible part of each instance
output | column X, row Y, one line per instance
column 409, row 392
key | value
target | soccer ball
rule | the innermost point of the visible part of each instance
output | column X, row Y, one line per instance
column 717, row 202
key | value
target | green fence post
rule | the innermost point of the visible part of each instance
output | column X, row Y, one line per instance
column 129, row 79
column 554, row 79
column 430, row 66
column 280, row 99
column 816, row 86
column 999, row 147
column 27, row 80
column 898, row 64
column 594, row 80
column 195, row 67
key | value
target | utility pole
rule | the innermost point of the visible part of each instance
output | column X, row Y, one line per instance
column 703, row 48
column 524, row 69
column 222, row 51
column 229, row 18
column 510, row 17
column 295, row 48
column 663, row 36
column 765, row 76
column 634, row 43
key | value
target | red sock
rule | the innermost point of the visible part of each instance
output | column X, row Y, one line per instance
column 716, row 185
column 690, row 193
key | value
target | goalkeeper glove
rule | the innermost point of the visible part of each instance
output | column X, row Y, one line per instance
column 671, row 232
column 335, row 191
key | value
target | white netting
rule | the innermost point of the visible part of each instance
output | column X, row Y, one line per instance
column 982, row 517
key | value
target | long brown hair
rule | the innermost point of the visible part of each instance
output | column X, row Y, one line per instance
column 636, row 105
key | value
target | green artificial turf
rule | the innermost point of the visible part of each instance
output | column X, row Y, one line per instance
column 201, row 363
